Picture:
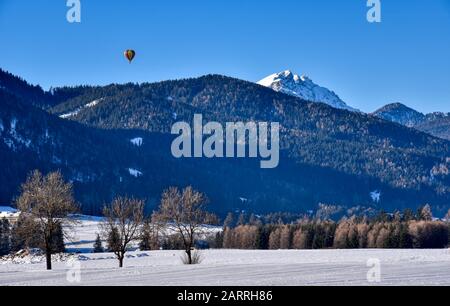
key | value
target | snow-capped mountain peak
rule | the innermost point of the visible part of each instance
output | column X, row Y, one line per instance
column 303, row 87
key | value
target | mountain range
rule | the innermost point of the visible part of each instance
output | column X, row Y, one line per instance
column 115, row 140
column 437, row 124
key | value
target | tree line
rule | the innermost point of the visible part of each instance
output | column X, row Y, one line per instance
column 48, row 213
column 400, row 230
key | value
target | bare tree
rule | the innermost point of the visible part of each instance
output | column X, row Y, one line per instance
column 47, row 201
column 183, row 212
column 122, row 225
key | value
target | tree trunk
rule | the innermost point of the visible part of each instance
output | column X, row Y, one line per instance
column 48, row 255
column 121, row 257
column 189, row 254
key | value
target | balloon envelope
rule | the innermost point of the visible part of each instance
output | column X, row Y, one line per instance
column 129, row 55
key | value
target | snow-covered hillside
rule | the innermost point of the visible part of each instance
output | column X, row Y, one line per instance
column 78, row 110
column 301, row 86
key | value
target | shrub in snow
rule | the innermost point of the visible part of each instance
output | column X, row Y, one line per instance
column 196, row 258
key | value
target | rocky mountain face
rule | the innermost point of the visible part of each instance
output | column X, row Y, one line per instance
column 304, row 88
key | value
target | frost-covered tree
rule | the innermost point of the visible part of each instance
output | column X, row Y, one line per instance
column 447, row 216
column 229, row 221
column 228, row 238
column 48, row 202
column 286, row 237
column 426, row 213
column 183, row 212
column 241, row 220
column 274, row 239
column 122, row 225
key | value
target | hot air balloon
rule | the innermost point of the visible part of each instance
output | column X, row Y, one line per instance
column 129, row 55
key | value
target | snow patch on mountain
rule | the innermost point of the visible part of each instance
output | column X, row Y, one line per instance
column 302, row 87
column 376, row 196
column 135, row 173
column 78, row 110
column 69, row 115
column 138, row 141
column 14, row 138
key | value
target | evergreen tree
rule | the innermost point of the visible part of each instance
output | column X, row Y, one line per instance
column 426, row 213
column 24, row 234
column 319, row 237
column 405, row 240
column 408, row 215
column 229, row 221
column 241, row 220
column 57, row 243
column 5, row 237
column 263, row 236
column 98, row 245
column 113, row 241
column 254, row 220
column 218, row 240
column 146, row 243
column 447, row 216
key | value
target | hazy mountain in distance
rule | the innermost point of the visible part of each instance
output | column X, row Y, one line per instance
column 401, row 114
column 436, row 124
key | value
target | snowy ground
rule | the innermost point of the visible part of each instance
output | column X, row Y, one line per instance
column 226, row 267
column 239, row 268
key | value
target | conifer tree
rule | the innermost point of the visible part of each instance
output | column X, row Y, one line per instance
column 149, row 237
column 229, row 221
column 58, row 245
column 98, row 245
column 5, row 237
column 241, row 220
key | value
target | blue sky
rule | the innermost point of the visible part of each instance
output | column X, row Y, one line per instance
column 406, row 58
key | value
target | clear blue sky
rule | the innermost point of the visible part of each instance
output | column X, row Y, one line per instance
column 406, row 58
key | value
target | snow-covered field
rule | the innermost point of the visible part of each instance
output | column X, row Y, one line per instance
column 239, row 268
column 228, row 267
column 232, row 267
